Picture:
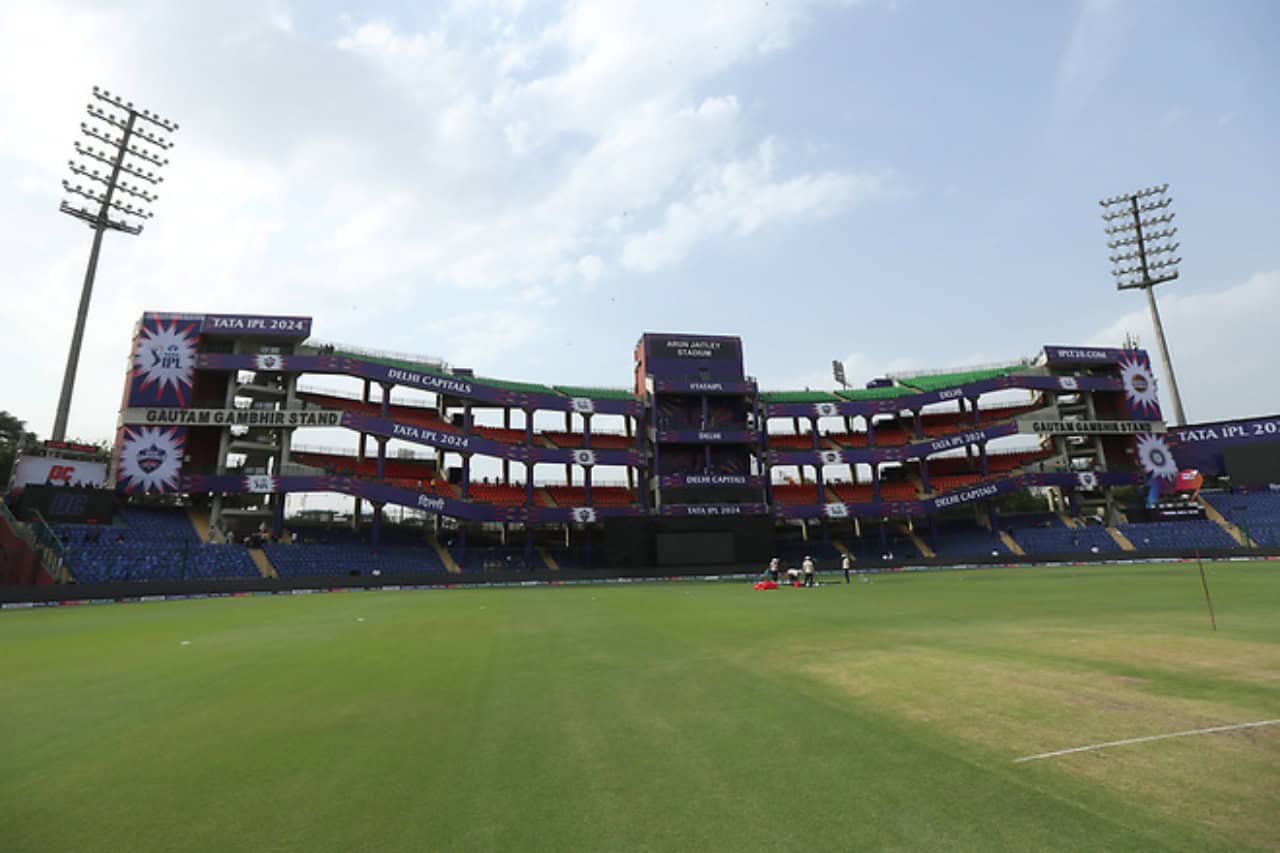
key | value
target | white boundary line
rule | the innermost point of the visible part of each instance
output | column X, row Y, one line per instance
column 1127, row 741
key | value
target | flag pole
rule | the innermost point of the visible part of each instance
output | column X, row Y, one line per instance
column 1205, row 583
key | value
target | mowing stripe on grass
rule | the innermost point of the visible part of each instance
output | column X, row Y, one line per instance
column 1126, row 741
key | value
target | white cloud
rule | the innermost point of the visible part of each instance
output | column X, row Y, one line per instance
column 384, row 171
column 1222, row 344
column 738, row 199
column 1097, row 40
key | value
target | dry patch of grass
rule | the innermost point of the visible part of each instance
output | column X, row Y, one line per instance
column 1014, row 707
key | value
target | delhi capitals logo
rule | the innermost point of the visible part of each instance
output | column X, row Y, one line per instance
column 268, row 362
column 164, row 360
column 1087, row 480
column 832, row 510
column 826, row 410
column 584, row 514
column 151, row 458
column 582, row 405
column 584, row 457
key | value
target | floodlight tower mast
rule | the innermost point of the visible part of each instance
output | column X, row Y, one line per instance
column 134, row 145
column 1141, row 236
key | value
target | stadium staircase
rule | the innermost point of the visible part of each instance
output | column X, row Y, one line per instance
column 921, row 545
column 450, row 565
column 548, row 559
column 1009, row 542
column 262, row 561
column 1067, row 521
column 1120, row 539
column 1211, row 512
column 546, row 496
column 200, row 521
column 843, row 549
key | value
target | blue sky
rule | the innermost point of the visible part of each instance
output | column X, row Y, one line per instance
column 525, row 189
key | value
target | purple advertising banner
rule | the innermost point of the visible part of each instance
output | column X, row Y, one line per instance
column 256, row 324
column 702, row 386
column 441, row 383
column 475, row 444
column 678, row 480
column 713, row 510
column 897, row 453
column 704, row 357
column 162, row 370
column 1084, row 355
column 707, row 436
column 1201, row 446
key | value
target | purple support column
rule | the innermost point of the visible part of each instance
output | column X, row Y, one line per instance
column 916, row 420
column 586, row 484
column 813, row 429
column 375, row 535
column 977, row 418
column 528, row 426
column 875, row 481
column 277, row 515
column 982, row 457
column 871, row 431
column 528, row 484
column 924, row 474
column 381, row 465
column 466, row 476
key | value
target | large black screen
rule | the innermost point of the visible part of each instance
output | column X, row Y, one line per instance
column 695, row 548
column 1255, row 463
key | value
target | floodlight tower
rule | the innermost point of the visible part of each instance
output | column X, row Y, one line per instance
column 134, row 146
column 1141, row 236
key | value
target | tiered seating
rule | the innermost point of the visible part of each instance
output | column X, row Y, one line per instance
column 1182, row 535
column 1016, row 459
column 419, row 415
column 599, row 440
column 848, row 439
column 342, row 464
column 149, row 545
column 898, row 492
column 1064, row 540
column 891, row 436
column 499, row 494
column 1256, row 512
column 796, row 493
column 868, row 547
column 507, row 436
column 852, row 493
column 344, row 558
column 434, row 487
column 1001, row 413
column 600, row 495
column 788, row 441
column 949, row 482
column 961, row 538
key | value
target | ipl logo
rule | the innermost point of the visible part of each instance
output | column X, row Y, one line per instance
column 260, row 483
column 584, row 457
column 167, row 358
column 582, row 405
column 826, row 410
column 835, row 510
column 1068, row 383
column 830, row 457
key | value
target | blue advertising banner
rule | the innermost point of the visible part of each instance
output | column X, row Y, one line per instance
column 702, row 386
column 678, row 480
column 1084, row 355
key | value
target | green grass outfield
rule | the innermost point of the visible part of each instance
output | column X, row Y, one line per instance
column 672, row 716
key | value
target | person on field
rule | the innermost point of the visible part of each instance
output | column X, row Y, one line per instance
column 808, row 568
column 846, row 564
column 773, row 570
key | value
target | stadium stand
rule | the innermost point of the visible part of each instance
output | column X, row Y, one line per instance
column 1182, row 535
column 1256, row 513
column 332, row 558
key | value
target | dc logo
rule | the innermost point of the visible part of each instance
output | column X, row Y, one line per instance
column 1087, row 480
column 151, row 458
column 583, row 405
column 1069, row 383
column 825, row 410
column 830, row 457
column 835, row 510
column 584, row 515
column 584, row 457
column 268, row 362
column 260, row 484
